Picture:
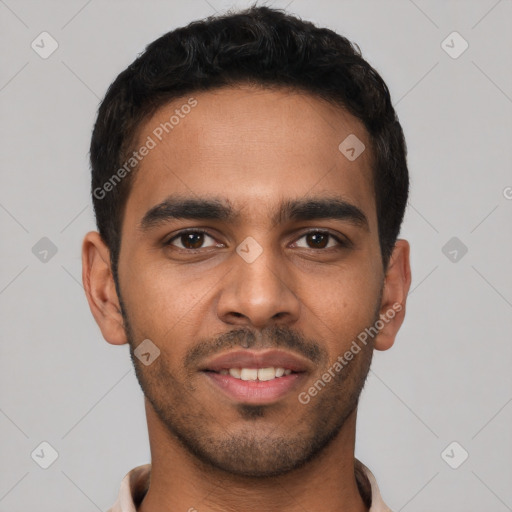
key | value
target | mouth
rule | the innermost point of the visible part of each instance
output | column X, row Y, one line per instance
column 256, row 377
column 255, row 374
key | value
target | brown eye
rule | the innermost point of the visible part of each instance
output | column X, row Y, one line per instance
column 191, row 240
column 319, row 240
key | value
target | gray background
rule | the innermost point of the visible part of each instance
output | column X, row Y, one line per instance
column 448, row 376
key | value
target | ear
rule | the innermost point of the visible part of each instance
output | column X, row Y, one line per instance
column 394, row 295
column 100, row 289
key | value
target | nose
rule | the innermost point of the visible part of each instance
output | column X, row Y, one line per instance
column 258, row 294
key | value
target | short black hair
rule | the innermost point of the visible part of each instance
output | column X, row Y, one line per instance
column 260, row 46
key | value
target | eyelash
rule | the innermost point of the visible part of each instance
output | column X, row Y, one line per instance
column 341, row 242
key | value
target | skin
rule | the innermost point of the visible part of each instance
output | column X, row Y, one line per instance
column 254, row 148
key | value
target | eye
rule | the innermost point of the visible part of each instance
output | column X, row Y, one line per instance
column 191, row 239
column 195, row 239
column 320, row 240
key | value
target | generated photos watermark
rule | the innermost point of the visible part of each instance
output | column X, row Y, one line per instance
column 151, row 142
column 344, row 359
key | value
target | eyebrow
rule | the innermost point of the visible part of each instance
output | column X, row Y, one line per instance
column 176, row 208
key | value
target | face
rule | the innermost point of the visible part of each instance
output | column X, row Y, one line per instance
column 249, row 240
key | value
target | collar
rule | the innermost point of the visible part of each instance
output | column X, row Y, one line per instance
column 135, row 484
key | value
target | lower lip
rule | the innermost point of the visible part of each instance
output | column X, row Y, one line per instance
column 255, row 392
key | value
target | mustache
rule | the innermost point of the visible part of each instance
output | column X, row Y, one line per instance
column 271, row 337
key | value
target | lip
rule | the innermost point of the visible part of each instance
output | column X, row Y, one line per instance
column 256, row 392
column 261, row 359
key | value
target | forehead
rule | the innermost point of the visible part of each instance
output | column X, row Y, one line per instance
column 252, row 146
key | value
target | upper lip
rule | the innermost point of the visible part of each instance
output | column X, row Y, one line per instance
column 261, row 359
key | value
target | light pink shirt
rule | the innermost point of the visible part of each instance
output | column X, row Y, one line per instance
column 136, row 482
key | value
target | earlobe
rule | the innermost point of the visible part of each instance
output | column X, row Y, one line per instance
column 394, row 295
column 100, row 288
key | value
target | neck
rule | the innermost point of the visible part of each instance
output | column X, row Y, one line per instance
column 179, row 481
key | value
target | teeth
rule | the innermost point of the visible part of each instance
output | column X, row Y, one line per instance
column 266, row 373
column 261, row 374
column 249, row 374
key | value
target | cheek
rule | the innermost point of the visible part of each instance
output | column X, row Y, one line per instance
column 162, row 300
column 342, row 303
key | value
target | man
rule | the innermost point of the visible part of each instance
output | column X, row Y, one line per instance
column 249, row 181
